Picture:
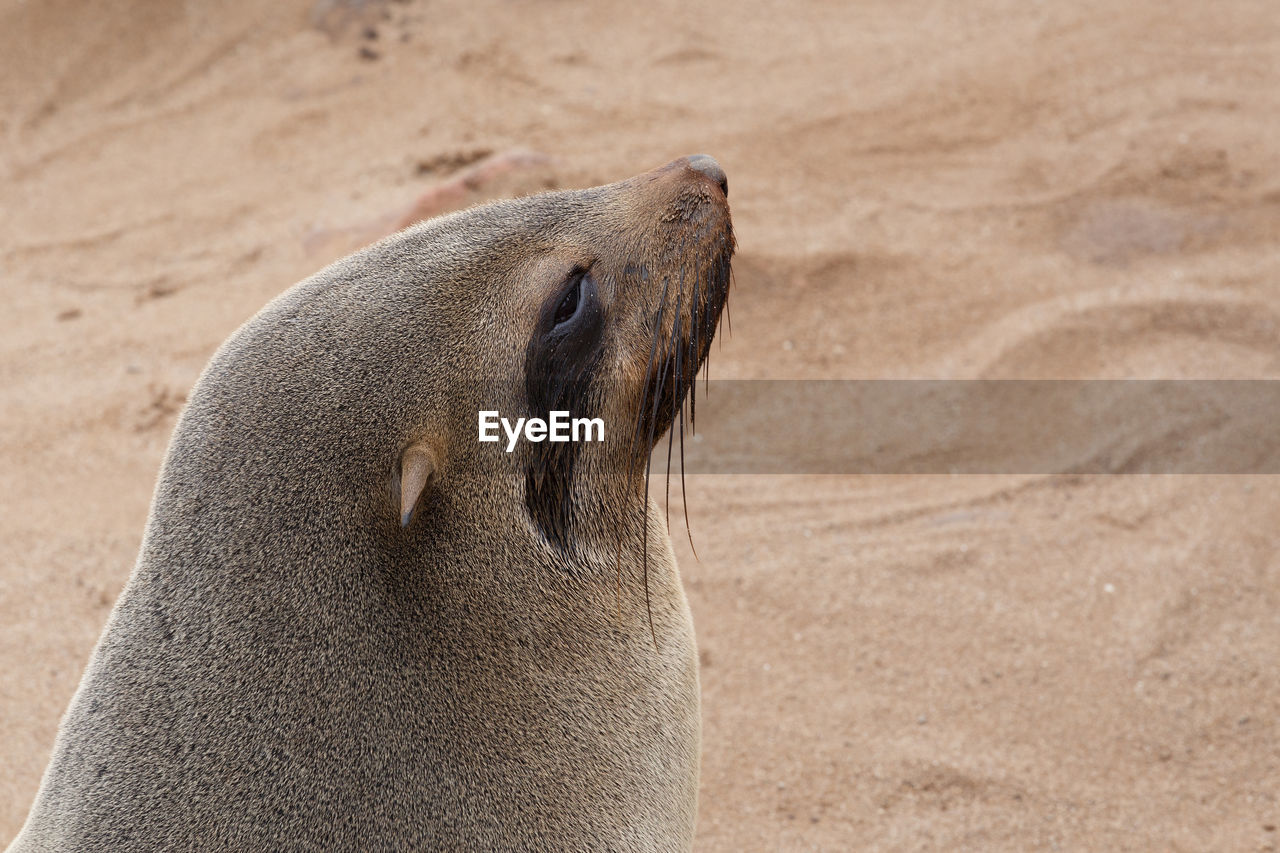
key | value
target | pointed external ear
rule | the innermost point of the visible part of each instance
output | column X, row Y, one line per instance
column 417, row 469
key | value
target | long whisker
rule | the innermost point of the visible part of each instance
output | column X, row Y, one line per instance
column 631, row 456
column 644, row 394
column 684, row 491
column 653, row 426
column 653, row 420
column 681, row 365
column 728, row 317
column 694, row 353
column 674, row 348
column 693, row 393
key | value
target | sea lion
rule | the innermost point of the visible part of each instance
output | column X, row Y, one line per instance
column 352, row 624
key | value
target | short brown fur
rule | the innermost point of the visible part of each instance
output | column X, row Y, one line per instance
column 290, row 668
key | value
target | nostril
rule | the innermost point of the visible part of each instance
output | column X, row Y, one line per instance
column 707, row 165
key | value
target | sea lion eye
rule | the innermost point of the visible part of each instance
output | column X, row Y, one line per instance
column 570, row 324
column 571, row 303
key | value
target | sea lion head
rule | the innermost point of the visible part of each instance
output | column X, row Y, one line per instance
column 599, row 302
column 356, row 394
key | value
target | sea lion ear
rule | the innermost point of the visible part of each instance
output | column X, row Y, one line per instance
column 418, row 468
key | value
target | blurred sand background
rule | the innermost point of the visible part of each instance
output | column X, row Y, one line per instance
column 982, row 189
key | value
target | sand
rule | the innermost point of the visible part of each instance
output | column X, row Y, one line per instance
column 920, row 190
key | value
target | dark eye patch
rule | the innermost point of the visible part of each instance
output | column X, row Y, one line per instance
column 559, row 368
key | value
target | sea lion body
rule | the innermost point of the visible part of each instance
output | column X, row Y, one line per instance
column 507, row 664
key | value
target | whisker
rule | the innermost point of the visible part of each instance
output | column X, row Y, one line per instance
column 728, row 316
column 684, row 491
column 644, row 394
column 695, row 352
column 648, row 464
column 674, row 348
column 653, row 426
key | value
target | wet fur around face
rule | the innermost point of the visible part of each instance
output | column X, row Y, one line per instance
column 290, row 668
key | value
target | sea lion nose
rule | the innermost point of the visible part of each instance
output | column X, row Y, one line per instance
column 707, row 165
